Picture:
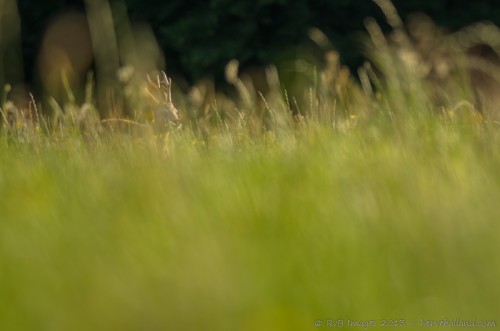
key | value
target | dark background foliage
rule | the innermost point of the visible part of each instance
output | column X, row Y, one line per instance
column 200, row 36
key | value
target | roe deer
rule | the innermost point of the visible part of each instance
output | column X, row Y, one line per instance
column 162, row 107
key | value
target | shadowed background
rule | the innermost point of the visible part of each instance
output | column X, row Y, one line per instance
column 199, row 37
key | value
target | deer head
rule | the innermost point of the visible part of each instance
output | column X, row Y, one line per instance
column 160, row 90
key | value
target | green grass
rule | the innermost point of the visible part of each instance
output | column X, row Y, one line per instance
column 380, row 202
column 269, row 233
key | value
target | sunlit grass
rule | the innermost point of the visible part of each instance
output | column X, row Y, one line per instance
column 270, row 234
column 266, row 210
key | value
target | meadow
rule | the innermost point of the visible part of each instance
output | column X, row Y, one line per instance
column 364, row 200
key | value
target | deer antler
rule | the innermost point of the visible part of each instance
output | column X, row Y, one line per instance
column 167, row 83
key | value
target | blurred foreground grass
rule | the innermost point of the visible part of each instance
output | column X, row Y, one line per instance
column 370, row 199
column 257, row 234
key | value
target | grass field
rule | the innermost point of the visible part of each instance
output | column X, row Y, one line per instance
column 376, row 205
column 262, row 234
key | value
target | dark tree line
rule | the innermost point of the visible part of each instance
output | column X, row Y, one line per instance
column 200, row 36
